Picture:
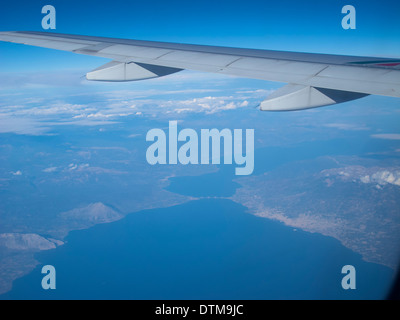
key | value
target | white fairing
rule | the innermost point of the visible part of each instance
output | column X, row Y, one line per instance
column 299, row 97
column 121, row 71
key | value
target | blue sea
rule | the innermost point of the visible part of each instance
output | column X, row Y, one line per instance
column 204, row 249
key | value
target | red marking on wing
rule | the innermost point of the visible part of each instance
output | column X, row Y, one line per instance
column 389, row 64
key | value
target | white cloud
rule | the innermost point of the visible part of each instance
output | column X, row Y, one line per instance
column 387, row 136
column 208, row 104
column 134, row 135
column 23, row 126
column 57, row 108
column 347, row 126
column 383, row 177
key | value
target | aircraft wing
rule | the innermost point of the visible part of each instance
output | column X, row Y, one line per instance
column 313, row 80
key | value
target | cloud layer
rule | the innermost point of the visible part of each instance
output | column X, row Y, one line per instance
column 46, row 102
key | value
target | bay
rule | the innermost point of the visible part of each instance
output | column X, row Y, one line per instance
column 204, row 249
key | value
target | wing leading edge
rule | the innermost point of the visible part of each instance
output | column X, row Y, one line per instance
column 314, row 80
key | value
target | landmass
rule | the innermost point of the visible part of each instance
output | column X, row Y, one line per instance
column 352, row 199
column 17, row 255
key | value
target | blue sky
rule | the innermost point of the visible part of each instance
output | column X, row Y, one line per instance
column 311, row 26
